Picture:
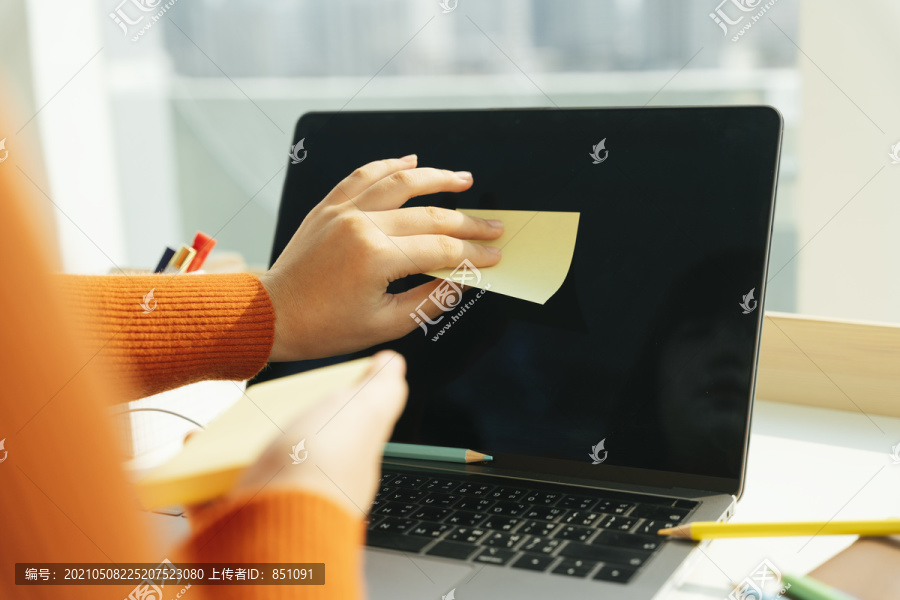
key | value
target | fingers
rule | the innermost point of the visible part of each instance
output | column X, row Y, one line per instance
column 392, row 191
column 365, row 176
column 433, row 220
column 423, row 253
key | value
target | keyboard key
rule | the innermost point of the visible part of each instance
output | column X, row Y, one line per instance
column 385, row 491
column 577, row 502
column 396, row 509
column 474, row 489
column 507, row 493
column 614, row 507
column 395, row 541
column 539, row 528
column 386, row 477
column 501, row 539
column 542, row 498
column 394, row 525
column 431, row 513
column 627, row 540
column 373, row 521
column 571, row 532
column 614, row 573
column 541, row 545
column 403, row 495
column 441, row 499
column 575, row 567
column 651, row 527
column 661, row 513
column 452, row 550
column 431, row 530
column 583, row 518
column 465, row 518
column 619, row 523
column 474, row 503
column 674, row 515
column 440, row 485
column 688, row 504
column 408, row 481
column 501, row 523
column 534, row 562
column 632, row 558
column 470, row 535
column 508, row 509
column 495, row 556
column 547, row 513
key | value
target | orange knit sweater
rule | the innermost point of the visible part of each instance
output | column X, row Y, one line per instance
column 68, row 351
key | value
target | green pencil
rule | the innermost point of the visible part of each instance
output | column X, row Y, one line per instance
column 807, row 588
column 419, row 452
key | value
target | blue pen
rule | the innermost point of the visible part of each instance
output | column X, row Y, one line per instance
column 164, row 261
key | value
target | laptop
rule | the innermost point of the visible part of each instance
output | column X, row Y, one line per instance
column 620, row 406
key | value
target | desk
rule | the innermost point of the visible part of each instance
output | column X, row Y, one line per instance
column 805, row 464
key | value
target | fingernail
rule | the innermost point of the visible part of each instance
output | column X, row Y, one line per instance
column 464, row 175
column 409, row 157
column 493, row 250
column 495, row 223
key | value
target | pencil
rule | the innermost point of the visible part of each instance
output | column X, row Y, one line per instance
column 707, row 530
column 807, row 588
column 442, row 453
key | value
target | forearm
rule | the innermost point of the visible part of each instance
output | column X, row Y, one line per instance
column 195, row 327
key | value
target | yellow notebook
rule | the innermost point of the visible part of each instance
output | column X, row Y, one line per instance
column 212, row 461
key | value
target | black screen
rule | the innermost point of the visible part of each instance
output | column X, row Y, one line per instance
column 646, row 345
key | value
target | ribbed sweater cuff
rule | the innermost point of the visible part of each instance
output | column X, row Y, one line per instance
column 192, row 328
column 282, row 526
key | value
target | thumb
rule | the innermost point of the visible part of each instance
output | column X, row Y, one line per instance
column 382, row 390
column 364, row 410
column 414, row 308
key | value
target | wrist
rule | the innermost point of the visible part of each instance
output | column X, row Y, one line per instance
column 279, row 352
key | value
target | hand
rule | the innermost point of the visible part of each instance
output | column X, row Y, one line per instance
column 344, row 458
column 329, row 286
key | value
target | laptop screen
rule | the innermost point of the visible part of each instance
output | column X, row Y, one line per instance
column 646, row 356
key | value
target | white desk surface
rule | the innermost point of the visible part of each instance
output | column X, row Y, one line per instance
column 805, row 464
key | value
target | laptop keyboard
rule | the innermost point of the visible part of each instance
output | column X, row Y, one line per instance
column 607, row 537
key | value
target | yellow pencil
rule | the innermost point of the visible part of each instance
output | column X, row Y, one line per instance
column 707, row 530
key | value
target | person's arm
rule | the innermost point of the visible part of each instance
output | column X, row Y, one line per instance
column 326, row 294
column 195, row 327
column 311, row 512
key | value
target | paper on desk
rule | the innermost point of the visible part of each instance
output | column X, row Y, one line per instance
column 537, row 252
column 212, row 460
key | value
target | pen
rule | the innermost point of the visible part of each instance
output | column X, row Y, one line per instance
column 181, row 260
column 203, row 244
column 164, row 261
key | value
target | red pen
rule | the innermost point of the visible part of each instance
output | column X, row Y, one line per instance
column 203, row 244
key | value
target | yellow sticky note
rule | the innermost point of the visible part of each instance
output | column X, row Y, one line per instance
column 537, row 249
column 212, row 461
